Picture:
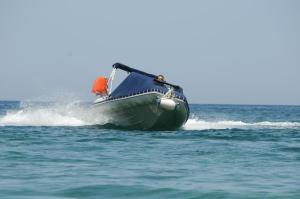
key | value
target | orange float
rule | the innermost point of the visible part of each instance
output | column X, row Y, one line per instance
column 100, row 86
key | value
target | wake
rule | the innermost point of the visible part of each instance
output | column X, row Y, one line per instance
column 198, row 124
column 56, row 114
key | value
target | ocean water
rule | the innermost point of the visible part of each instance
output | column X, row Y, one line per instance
column 55, row 150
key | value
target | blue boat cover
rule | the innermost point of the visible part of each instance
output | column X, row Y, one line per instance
column 136, row 83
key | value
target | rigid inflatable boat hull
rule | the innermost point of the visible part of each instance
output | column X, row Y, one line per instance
column 143, row 112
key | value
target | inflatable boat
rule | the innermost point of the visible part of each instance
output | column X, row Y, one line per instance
column 142, row 101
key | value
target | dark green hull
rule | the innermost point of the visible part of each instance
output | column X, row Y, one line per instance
column 143, row 112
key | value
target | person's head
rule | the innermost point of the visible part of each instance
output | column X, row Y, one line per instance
column 161, row 78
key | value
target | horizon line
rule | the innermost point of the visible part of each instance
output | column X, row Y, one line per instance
column 190, row 103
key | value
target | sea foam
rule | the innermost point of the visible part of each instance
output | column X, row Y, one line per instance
column 54, row 114
column 198, row 124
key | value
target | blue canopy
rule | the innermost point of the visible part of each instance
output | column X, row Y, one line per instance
column 136, row 83
column 130, row 70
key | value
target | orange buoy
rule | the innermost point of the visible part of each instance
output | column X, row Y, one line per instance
column 100, row 86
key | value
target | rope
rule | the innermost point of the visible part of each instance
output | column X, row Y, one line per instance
column 169, row 94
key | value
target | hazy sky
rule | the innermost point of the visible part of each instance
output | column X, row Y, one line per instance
column 245, row 52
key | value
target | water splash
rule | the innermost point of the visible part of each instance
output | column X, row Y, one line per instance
column 198, row 124
column 51, row 114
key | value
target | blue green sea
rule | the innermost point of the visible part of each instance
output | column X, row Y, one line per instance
column 56, row 150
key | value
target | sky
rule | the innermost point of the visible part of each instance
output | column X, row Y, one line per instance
column 220, row 52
